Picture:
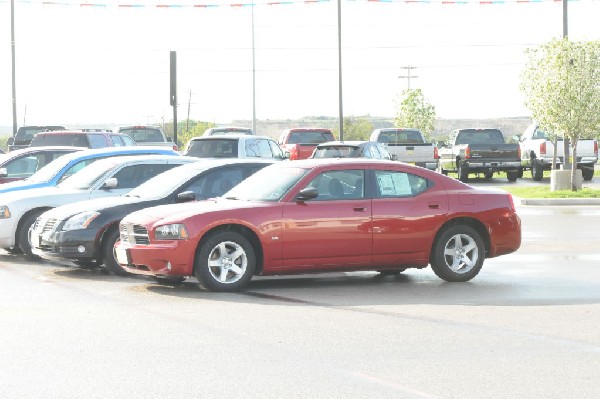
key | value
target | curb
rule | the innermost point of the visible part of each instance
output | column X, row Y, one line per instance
column 558, row 201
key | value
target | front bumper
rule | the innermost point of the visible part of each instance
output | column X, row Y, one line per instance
column 73, row 245
column 169, row 258
column 8, row 231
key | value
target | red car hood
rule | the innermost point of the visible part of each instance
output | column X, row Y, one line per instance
column 176, row 213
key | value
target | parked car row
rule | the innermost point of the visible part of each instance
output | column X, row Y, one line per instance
column 223, row 221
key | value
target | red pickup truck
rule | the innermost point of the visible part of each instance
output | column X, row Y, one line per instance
column 300, row 143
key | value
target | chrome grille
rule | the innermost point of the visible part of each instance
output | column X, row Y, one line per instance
column 134, row 234
column 42, row 225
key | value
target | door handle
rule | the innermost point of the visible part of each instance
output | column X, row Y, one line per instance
column 434, row 205
column 360, row 209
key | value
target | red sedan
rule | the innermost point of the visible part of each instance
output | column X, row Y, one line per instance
column 323, row 215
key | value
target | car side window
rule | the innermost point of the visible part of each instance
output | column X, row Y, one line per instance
column 339, row 185
column 97, row 141
column 116, row 140
column 76, row 168
column 257, row 148
column 216, row 182
column 392, row 184
column 276, row 150
column 128, row 140
column 133, row 175
column 22, row 167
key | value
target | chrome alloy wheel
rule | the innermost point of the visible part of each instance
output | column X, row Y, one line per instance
column 461, row 253
column 227, row 262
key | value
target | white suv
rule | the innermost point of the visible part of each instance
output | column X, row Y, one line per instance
column 234, row 146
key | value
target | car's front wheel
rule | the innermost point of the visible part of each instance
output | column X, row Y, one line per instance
column 226, row 261
column 23, row 234
column 458, row 254
column 108, row 253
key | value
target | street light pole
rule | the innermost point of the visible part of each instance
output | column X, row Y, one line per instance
column 253, row 76
column 341, row 108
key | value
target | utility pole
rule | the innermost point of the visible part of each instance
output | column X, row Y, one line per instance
column 566, row 160
column 187, row 124
column 408, row 75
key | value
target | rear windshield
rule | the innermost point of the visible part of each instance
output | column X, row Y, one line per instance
column 143, row 134
column 480, row 136
column 28, row 133
column 75, row 140
column 338, row 151
column 315, row 137
column 400, row 137
column 213, row 149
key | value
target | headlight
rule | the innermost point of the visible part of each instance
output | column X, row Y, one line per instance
column 171, row 232
column 4, row 212
column 80, row 221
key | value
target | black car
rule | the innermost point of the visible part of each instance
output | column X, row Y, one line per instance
column 25, row 135
column 352, row 149
column 85, row 232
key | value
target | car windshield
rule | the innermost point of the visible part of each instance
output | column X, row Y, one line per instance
column 268, row 184
column 86, row 177
column 164, row 184
column 213, row 148
column 48, row 172
column 337, row 151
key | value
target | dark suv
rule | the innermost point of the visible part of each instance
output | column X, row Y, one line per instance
column 90, row 138
column 26, row 133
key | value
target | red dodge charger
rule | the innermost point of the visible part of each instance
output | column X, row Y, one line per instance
column 323, row 215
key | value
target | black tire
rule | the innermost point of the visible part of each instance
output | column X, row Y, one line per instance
column 452, row 247
column 537, row 172
column 23, row 234
column 85, row 264
column 512, row 175
column 587, row 173
column 108, row 253
column 463, row 172
column 488, row 175
column 390, row 272
column 225, row 273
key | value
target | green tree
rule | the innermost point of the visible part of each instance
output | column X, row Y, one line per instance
column 414, row 111
column 186, row 130
column 355, row 128
column 561, row 83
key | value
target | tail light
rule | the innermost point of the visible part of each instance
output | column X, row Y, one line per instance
column 467, row 152
column 436, row 155
column 543, row 147
column 595, row 147
column 511, row 202
column 294, row 153
column 519, row 152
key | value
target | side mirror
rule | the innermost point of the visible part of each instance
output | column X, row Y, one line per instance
column 394, row 157
column 10, row 141
column 3, row 172
column 307, row 194
column 110, row 183
column 186, row 196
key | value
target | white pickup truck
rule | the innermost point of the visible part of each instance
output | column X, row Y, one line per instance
column 408, row 145
column 537, row 151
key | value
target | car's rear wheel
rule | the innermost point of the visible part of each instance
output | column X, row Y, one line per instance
column 488, row 175
column 512, row 175
column 463, row 172
column 108, row 253
column 225, row 262
column 587, row 173
column 537, row 172
column 458, row 254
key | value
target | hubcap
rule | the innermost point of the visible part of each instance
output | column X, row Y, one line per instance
column 227, row 262
column 461, row 253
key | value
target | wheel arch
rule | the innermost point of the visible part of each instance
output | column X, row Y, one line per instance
column 243, row 230
column 477, row 225
column 38, row 210
column 109, row 228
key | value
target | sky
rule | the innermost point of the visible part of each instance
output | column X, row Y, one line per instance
column 104, row 63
